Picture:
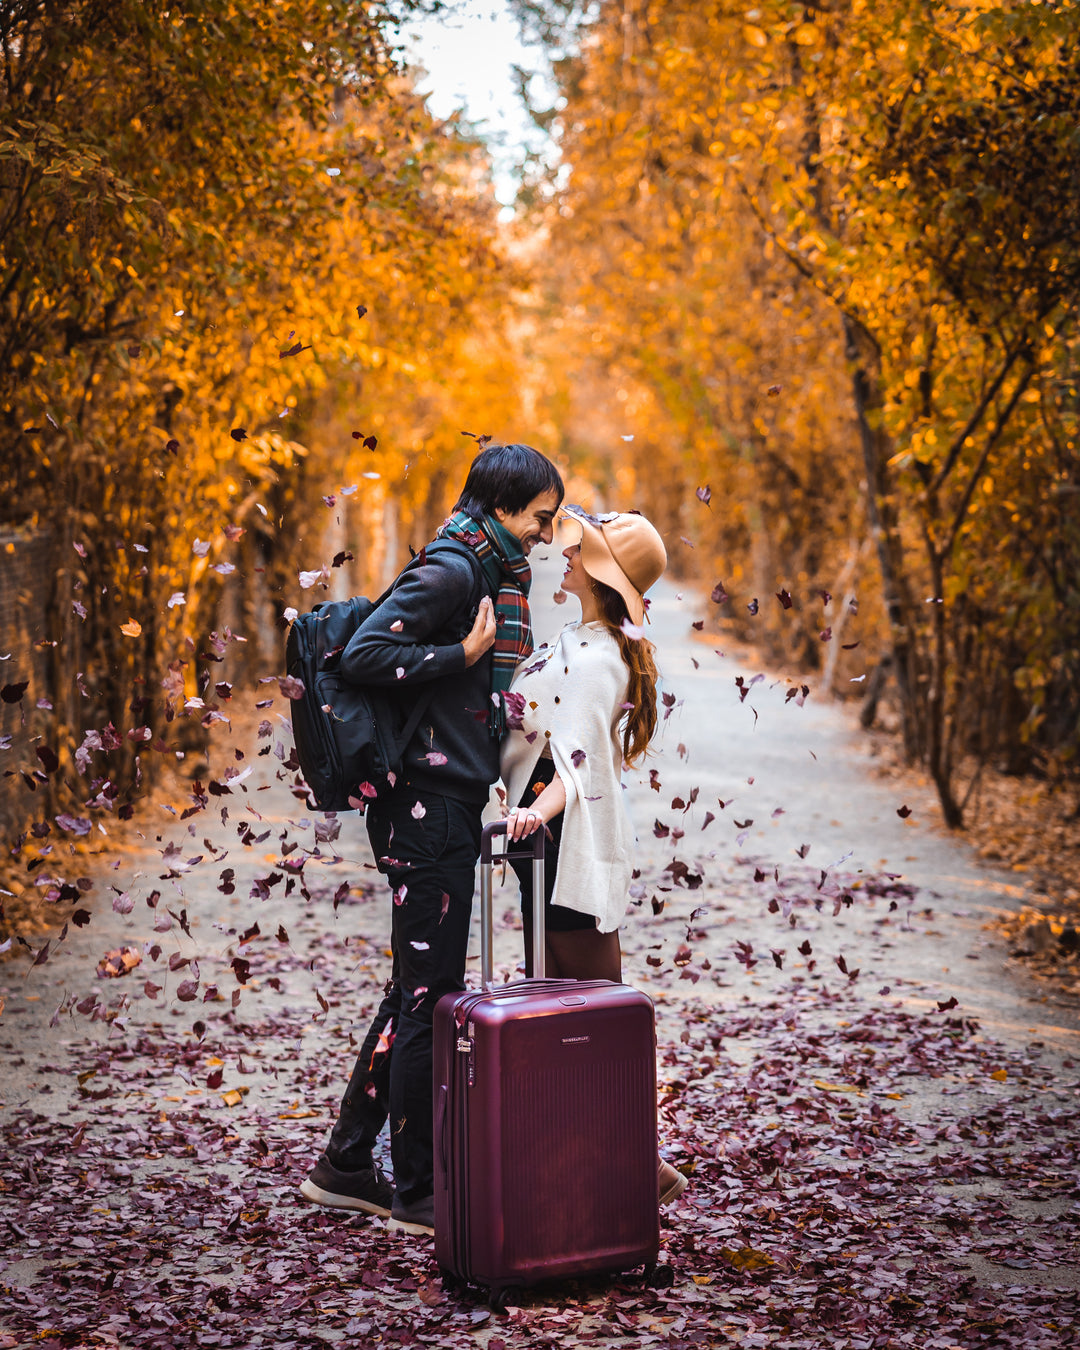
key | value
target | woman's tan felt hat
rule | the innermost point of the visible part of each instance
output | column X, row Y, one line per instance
column 624, row 551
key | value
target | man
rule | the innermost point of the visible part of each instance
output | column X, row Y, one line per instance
column 440, row 626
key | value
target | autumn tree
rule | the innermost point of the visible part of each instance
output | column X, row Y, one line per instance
column 241, row 268
column 900, row 177
column 709, row 372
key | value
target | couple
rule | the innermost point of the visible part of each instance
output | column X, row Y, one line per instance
column 563, row 723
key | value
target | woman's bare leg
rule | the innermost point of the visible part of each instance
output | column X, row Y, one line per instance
column 584, row 954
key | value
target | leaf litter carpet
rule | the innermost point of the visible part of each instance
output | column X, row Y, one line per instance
column 862, row 1175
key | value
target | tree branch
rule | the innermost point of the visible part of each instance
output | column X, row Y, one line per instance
column 977, row 415
column 961, row 510
column 796, row 258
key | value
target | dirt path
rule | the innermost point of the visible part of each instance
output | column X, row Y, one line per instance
column 872, row 1163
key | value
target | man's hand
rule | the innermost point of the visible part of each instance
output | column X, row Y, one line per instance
column 482, row 634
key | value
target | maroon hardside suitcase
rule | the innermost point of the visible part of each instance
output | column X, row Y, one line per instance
column 545, row 1121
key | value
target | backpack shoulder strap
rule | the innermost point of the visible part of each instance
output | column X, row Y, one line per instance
column 462, row 551
column 479, row 580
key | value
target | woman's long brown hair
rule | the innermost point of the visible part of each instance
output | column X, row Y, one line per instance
column 637, row 654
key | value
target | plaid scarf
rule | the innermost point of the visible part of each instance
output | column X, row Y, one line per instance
column 509, row 576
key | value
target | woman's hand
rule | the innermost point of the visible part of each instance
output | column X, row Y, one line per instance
column 523, row 821
column 482, row 634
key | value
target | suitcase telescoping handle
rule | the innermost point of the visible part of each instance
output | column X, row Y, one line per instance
column 534, row 845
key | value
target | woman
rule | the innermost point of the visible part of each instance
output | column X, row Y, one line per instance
column 576, row 713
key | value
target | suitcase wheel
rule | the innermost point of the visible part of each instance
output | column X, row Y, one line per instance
column 497, row 1301
column 658, row 1276
column 453, row 1284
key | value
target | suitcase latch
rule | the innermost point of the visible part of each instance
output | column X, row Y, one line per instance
column 465, row 1047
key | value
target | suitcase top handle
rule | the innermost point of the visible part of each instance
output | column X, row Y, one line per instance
column 532, row 847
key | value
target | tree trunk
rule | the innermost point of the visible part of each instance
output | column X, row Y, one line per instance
column 877, row 449
column 936, row 710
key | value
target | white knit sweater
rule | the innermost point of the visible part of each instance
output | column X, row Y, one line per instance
column 573, row 694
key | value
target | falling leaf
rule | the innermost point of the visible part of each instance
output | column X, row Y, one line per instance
column 121, row 961
column 239, row 434
column 784, row 597
column 704, row 494
column 903, row 812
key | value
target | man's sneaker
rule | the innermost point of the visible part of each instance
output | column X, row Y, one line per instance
column 670, row 1183
column 417, row 1218
column 367, row 1190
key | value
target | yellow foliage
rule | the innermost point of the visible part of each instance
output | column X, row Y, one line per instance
column 215, row 291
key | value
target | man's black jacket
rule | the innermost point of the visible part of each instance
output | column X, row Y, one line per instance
column 413, row 641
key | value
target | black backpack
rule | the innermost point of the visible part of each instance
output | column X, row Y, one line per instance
column 349, row 734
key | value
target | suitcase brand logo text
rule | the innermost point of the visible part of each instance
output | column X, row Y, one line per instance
column 575, row 1040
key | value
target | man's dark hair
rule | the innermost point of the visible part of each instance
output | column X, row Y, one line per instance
column 507, row 476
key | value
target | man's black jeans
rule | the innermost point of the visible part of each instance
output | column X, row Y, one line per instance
column 426, row 846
